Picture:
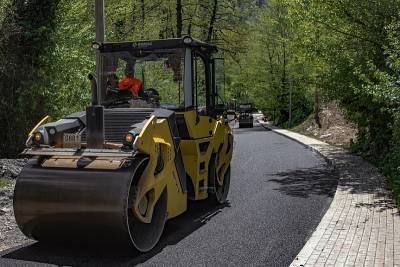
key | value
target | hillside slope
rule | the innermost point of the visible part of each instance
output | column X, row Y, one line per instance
column 335, row 129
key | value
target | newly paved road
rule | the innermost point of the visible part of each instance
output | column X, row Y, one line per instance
column 279, row 192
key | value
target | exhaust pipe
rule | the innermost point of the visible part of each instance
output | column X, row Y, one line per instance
column 93, row 83
column 94, row 120
column 95, row 112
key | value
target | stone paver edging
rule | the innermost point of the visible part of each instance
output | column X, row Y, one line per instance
column 362, row 224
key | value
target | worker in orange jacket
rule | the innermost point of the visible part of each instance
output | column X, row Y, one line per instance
column 129, row 82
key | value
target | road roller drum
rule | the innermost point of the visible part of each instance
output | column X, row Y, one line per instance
column 88, row 206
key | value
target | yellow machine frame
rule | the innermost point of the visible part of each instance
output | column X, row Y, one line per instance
column 159, row 162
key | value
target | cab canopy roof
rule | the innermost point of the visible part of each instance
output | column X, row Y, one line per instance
column 160, row 44
column 246, row 107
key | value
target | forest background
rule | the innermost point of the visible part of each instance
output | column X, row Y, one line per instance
column 313, row 51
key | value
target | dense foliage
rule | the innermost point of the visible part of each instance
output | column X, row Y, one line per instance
column 274, row 72
column 357, row 44
column 25, row 46
column 358, row 69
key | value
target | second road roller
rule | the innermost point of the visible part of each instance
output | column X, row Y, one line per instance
column 116, row 172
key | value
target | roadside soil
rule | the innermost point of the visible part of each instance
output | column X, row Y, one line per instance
column 10, row 235
column 335, row 129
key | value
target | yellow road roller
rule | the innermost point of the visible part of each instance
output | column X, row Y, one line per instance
column 116, row 172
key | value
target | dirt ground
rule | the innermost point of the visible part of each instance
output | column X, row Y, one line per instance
column 10, row 235
column 335, row 129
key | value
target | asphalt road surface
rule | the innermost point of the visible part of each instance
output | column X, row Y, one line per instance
column 279, row 193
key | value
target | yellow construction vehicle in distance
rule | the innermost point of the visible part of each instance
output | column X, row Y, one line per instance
column 117, row 171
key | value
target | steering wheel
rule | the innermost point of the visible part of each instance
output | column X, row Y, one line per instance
column 111, row 91
column 112, row 84
column 151, row 92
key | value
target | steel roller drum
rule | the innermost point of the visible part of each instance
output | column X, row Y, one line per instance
column 83, row 206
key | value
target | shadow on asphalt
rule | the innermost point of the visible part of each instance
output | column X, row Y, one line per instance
column 305, row 182
column 199, row 214
column 256, row 128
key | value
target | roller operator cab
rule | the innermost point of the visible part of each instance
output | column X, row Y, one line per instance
column 117, row 171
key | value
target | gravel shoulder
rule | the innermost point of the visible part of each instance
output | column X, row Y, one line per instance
column 334, row 128
column 10, row 235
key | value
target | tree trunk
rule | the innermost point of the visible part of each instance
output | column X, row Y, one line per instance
column 143, row 17
column 179, row 23
column 317, row 109
column 212, row 21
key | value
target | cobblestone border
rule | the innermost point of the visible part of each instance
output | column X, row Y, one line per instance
column 362, row 224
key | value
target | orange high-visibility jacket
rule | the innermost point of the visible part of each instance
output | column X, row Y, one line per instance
column 132, row 84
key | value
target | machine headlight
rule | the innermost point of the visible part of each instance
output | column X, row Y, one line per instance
column 37, row 138
column 95, row 45
column 187, row 40
column 129, row 139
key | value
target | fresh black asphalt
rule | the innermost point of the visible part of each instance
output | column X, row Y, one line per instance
column 279, row 192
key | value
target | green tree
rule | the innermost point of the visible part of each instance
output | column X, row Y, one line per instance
column 353, row 49
column 24, row 43
column 273, row 69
